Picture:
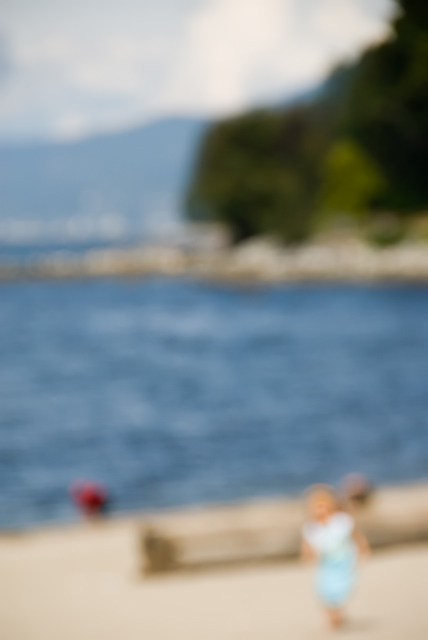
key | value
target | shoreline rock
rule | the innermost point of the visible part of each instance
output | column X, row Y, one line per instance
column 259, row 261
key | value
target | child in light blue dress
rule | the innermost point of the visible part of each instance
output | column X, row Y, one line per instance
column 330, row 537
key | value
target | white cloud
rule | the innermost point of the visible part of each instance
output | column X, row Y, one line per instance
column 345, row 26
column 70, row 126
column 236, row 52
column 85, row 66
column 227, row 47
column 118, row 66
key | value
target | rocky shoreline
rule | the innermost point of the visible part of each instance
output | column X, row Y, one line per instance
column 258, row 261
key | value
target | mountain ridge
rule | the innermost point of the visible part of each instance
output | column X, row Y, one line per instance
column 135, row 175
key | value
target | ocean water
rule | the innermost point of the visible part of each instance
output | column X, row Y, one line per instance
column 29, row 253
column 176, row 392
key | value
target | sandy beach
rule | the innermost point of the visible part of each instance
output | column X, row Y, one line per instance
column 83, row 583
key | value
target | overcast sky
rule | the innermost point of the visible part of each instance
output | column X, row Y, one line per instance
column 69, row 68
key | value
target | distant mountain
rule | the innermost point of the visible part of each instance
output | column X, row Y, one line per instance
column 108, row 184
column 106, row 187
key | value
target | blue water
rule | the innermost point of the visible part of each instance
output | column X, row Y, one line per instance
column 177, row 393
column 27, row 254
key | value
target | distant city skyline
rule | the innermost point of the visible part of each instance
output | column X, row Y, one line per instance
column 68, row 70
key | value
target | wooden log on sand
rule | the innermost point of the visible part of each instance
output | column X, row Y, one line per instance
column 269, row 531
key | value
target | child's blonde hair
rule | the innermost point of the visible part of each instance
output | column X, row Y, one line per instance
column 322, row 492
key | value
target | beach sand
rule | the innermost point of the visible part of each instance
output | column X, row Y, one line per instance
column 82, row 583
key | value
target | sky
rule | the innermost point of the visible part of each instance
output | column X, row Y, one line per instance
column 69, row 69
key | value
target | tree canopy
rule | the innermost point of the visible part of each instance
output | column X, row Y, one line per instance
column 360, row 146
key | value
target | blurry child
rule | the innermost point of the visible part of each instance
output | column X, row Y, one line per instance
column 332, row 540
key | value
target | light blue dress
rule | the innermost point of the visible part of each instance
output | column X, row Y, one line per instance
column 335, row 547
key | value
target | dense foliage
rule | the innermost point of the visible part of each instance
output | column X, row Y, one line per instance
column 359, row 147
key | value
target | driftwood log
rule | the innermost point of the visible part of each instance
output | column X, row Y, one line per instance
column 158, row 552
column 269, row 531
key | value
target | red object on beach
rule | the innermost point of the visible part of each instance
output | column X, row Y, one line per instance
column 89, row 497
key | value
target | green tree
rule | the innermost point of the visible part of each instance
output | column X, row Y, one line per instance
column 352, row 183
column 387, row 107
column 361, row 145
column 259, row 173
